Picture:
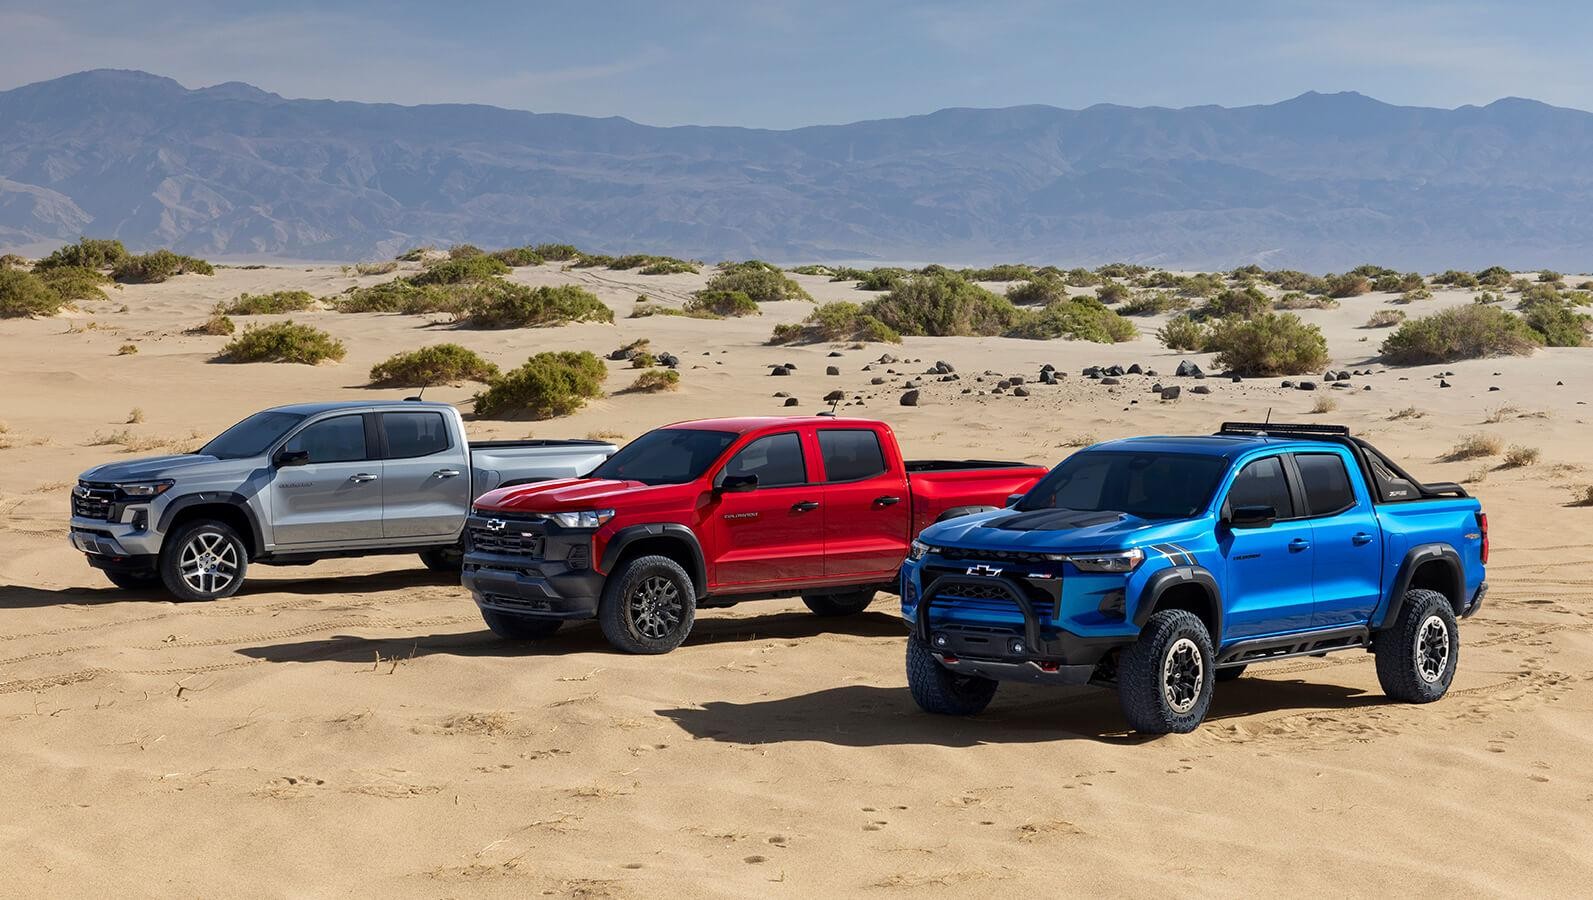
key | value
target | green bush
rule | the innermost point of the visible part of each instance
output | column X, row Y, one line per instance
column 1297, row 300
column 153, row 268
column 591, row 261
column 557, row 252
column 285, row 342
column 1346, row 285
column 1038, row 292
column 1494, row 276
column 515, row 257
column 87, row 253
column 1121, row 270
column 1464, row 332
column 460, row 269
column 217, row 325
column 943, row 305
column 1557, row 323
column 1153, row 303
column 668, row 265
column 548, row 385
column 883, row 278
column 437, row 364
column 269, row 304
column 1246, row 303
column 722, row 303
column 645, row 308
column 1290, row 280
column 1411, row 296
column 13, row 261
column 1004, row 272
column 655, row 381
column 401, row 296
column 1386, row 318
column 1454, row 278
column 1183, row 333
column 414, row 254
column 812, row 269
column 1081, row 278
column 25, row 294
column 758, row 280
column 74, row 282
column 1112, row 292
column 503, row 304
column 1269, row 344
column 1549, row 276
column 1076, row 318
column 465, row 251
column 1371, row 271
column 838, row 321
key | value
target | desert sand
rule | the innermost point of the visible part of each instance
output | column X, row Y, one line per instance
column 351, row 728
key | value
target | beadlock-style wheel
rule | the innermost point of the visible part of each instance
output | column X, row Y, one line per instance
column 1432, row 649
column 1183, row 674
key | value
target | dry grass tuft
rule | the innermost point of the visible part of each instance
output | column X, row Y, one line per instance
column 135, row 417
column 1475, row 446
column 1409, row 412
column 1324, row 404
column 1519, row 456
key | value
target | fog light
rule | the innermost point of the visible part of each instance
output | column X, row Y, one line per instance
column 939, row 640
column 1015, row 647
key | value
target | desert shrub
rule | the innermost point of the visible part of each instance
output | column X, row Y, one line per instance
column 287, row 342
column 748, row 265
column 1411, row 296
column 1246, row 303
column 644, row 308
column 503, row 304
column 414, row 254
column 1557, row 322
column 838, row 321
column 1076, row 318
column 1519, row 455
column 269, row 304
column 761, row 282
column 1038, row 292
column 812, row 269
column 1346, row 285
column 1474, row 446
column 1153, row 303
column 1549, row 276
column 127, row 350
column 1112, row 292
column 846, row 273
column 1453, row 278
column 656, row 380
column 549, row 384
column 591, row 261
column 1290, row 280
column 557, row 252
column 87, row 253
column 1518, row 285
column 1199, row 285
column 1121, row 270
column 1183, row 333
column 1269, row 344
column 514, row 257
column 643, row 359
column 25, row 294
column 401, row 296
column 1004, row 272
column 1494, row 276
column 1539, row 293
column 1247, row 272
column 155, row 267
column 1386, row 318
column 668, row 265
column 1077, row 277
column 437, row 364
column 459, row 269
column 881, row 279
column 465, row 251
column 375, row 268
column 1465, row 332
column 1368, row 270
column 74, row 282
column 722, row 303
column 217, row 324
column 1297, row 300
column 943, row 305
column 1325, row 403
column 1486, row 297
column 13, row 261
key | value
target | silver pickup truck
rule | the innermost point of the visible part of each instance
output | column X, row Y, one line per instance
column 295, row 484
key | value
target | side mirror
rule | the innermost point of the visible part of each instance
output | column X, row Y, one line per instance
column 286, row 458
column 1252, row 517
column 738, row 484
column 1012, row 499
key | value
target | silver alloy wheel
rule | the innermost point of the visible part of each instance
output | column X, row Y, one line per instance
column 1432, row 649
column 208, row 562
column 655, row 607
column 1183, row 674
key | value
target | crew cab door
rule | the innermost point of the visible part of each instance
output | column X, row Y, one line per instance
column 1267, row 585
column 1347, row 559
column 774, row 533
column 425, row 475
column 867, row 508
column 334, row 496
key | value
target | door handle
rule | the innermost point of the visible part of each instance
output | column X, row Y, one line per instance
column 445, row 473
column 362, row 477
column 887, row 501
column 1299, row 544
column 1361, row 538
column 805, row 506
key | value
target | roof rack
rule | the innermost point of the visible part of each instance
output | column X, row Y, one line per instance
column 1284, row 429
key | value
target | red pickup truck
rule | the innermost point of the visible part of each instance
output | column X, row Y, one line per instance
column 711, row 513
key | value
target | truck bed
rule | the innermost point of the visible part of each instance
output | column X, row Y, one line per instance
column 495, row 464
column 939, row 485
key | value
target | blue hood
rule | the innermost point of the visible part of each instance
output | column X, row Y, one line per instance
column 1050, row 531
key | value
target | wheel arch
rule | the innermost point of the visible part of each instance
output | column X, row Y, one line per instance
column 677, row 542
column 1190, row 588
column 1434, row 567
column 231, row 508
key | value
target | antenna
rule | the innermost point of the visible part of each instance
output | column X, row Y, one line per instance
column 418, row 396
column 834, row 404
column 1268, row 419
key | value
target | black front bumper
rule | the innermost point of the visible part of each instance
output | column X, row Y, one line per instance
column 539, row 572
column 1034, row 652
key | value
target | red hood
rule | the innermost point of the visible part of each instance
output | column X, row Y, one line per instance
column 562, row 494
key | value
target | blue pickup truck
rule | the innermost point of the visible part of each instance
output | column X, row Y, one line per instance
column 1165, row 564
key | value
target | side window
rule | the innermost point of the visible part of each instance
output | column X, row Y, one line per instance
column 412, row 434
column 1262, row 483
column 776, row 460
column 850, row 454
column 332, row 440
column 1326, row 483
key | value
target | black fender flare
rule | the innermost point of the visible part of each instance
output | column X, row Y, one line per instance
column 1176, row 576
column 1414, row 559
column 625, row 537
column 217, row 498
column 957, row 512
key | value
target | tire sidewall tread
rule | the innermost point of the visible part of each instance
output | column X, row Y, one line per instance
column 171, row 554
column 1394, row 648
column 1139, row 674
column 613, row 617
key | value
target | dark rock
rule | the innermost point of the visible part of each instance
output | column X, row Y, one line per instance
column 1048, row 377
column 1020, row 392
column 832, row 370
column 913, row 382
column 791, row 401
column 1330, row 377
column 1443, row 384
column 1286, row 384
column 781, row 394
column 1494, row 387
column 944, row 367
column 779, row 370
column 1151, row 372
column 1015, row 379
column 1200, row 389
column 876, row 380
column 1187, row 369
column 887, row 358
column 1114, row 371
column 1237, row 379
column 1110, row 381
column 1306, row 385
column 910, row 398
column 835, row 353
column 1135, row 369
column 834, row 396
column 669, row 359
column 1171, row 392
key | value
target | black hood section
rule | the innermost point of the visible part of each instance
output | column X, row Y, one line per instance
column 1054, row 520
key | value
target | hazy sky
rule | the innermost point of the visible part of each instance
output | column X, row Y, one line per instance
column 780, row 64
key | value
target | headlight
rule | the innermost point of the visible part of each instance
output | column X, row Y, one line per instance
column 586, row 518
column 918, row 550
column 1121, row 562
column 143, row 489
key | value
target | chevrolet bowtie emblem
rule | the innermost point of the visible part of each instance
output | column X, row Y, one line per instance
column 495, row 524
column 987, row 571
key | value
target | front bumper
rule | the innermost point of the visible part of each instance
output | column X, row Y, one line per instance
column 538, row 572
column 99, row 538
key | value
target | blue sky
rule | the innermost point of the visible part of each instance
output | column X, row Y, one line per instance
column 781, row 64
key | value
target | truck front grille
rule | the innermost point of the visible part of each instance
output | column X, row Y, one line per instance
column 992, row 597
column 961, row 553
column 506, row 542
column 91, row 501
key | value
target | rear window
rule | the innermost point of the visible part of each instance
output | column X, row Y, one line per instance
column 850, row 454
column 412, row 434
column 1326, row 483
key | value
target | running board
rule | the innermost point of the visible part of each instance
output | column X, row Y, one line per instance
column 1311, row 643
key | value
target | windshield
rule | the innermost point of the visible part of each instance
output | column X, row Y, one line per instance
column 666, row 456
column 251, row 437
column 1148, row 485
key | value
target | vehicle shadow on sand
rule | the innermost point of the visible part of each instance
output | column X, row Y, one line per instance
column 18, row 596
column 870, row 716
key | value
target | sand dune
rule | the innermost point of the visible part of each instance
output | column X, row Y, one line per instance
column 351, row 728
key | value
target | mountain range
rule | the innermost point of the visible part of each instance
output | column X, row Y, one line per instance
column 1319, row 182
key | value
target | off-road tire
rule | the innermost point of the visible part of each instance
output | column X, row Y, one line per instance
column 512, row 627
column 1172, row 656
column 648, row 605
column 1231, row 673
column 443, row 559
column 133, row 581
column 1417, row 655
column 184, row 551
column 847, row 604
column 941, row 691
